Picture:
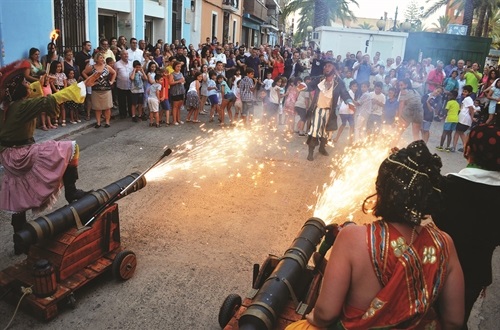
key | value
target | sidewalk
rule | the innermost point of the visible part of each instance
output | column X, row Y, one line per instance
column 61, row 133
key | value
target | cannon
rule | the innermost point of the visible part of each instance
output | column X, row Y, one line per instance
column 284, row 289
column 50, row 225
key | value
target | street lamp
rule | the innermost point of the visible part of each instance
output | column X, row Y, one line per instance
column 381, row 24
column 406, row 26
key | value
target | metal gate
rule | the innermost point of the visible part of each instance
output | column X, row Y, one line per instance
column 69, row 16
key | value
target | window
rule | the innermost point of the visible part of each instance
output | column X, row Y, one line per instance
column 214, row 24
column 234, row 31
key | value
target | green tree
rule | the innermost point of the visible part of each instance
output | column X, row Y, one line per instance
column 365, row 26
column 317, row 13
column 442, row 24
column 470, row 8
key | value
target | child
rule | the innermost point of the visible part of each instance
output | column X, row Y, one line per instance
column 47, row 90
column 282, row 95
column 289, row 106
column 228, row 99
column 58, row 82
column 212, row 95
column 450, row 123
column 73, row 107
column 237, row 104
column 165, row 104
column 387, row 85
column 464, row 117
column 461, row 84
column 111, row 62
column 390, row 108
column 272, row 105
column 154, row 99
column 268, row 83
column 348, row 78
column 193, row 98
column 247, row 88
column 374, row 122
column 364, row 108
column 346, row 114
column 302, row 105
column 150, row 79
column 137, row 76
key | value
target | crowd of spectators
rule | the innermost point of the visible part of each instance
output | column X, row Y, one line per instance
column 383, row 89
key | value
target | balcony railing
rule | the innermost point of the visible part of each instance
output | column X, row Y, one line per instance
column 230, row 5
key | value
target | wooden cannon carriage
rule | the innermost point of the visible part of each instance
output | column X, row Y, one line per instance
column 64, row 254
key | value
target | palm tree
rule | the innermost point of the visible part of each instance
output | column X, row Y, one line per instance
column 482, row 9
column 325, row 12
column 365, row 26
column 442, row 24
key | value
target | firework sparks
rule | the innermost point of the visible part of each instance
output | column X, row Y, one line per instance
column 351, row 180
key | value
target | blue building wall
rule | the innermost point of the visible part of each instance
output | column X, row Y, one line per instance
column 186, row 27
column 22, row 28
column 139, row 19
column 92, row 17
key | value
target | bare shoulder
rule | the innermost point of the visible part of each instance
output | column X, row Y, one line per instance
column 352, row 233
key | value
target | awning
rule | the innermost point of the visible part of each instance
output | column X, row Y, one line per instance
column 270, row 27
column 250, row 25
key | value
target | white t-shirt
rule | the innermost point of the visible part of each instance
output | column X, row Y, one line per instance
column 344, row 108
column 152, row 91
column 464, row 115
column 302, row 99
column 274, row 95
column 377, row 109
column 268, row 83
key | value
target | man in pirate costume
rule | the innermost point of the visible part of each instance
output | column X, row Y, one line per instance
column 394, row 273
column 328, row 88
column 34, row 172
column 470, row 213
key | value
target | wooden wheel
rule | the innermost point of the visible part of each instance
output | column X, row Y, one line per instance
column 124, row 265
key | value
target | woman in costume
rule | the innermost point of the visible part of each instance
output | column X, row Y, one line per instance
column 34, row 172
column 392, row 273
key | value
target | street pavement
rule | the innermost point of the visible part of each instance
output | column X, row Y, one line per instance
column 486, row 310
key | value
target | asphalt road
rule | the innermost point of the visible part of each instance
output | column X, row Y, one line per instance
column 200, row 223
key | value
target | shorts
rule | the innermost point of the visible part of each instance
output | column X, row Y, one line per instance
column 153, row 105
column 137, row 98
column 374, row 122
column 426, row 126
column 302, row 113
column 213, row 99
column 165, row 105
column 247, row 108
column 176, row 98
column 449, row 126
column 461, row 127
column 347, row 118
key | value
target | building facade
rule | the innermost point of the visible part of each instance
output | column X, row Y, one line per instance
column 80, row 20
column 217, row 18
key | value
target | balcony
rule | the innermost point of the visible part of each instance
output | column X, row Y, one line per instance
column 230, row 6
column 255, row 8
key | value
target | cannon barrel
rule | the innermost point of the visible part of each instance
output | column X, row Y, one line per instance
column 75, row 213
column 284, row 281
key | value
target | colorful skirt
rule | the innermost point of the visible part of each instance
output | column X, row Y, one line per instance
column 192, row 100
column 33, row 175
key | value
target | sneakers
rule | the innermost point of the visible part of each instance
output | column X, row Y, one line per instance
column 135, row 119
column 451, row 149
column 447, row 149
column 460, row 149
column 440, row 148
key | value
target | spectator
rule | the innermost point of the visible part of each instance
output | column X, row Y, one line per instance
column 51, row 56
column 177, row 91
column 465, row 117
column 410, row 110
column 134, row 53
column 137, row 78
column 105, row 48
column 123, row 70
column 472, row 78
column 472, row 195
column 450, row 123
column 33, row 73
column 247, row 88
column 101, row 97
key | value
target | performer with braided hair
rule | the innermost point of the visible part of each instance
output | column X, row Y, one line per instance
column 34, row 172
column 394, row 272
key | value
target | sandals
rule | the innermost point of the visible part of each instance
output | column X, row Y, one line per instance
column 97, row 126
column 196, row 121
column 44, row 128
